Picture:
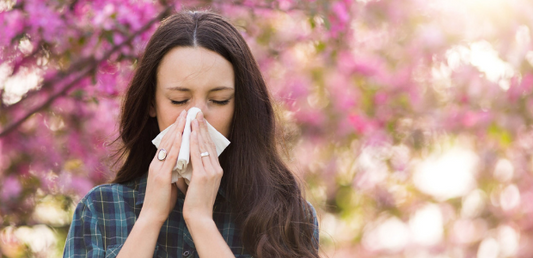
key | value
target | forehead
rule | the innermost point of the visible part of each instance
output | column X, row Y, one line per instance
column 195, row 68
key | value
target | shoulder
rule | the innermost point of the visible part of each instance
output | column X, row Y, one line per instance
column 104, row 213
column 311, row 210
column 107, row 194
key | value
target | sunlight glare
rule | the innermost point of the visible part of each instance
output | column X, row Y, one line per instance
column 510, row 197
column 529, row 58
column 504, row 170
column 489, row 248
column 509, row 240
column 486, row 59
column 426, row 225
column 447, row 175
column 39, row 237
column 473, row 204
column 16, row 86
column 390, row 234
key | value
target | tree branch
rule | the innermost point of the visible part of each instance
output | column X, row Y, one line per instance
column 82, row 75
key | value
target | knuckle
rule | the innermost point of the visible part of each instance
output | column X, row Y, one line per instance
column 159, row 180
column 167, row 136
column 172, row 155
column 201, row 178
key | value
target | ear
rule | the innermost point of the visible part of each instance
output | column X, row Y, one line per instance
column 152, row 110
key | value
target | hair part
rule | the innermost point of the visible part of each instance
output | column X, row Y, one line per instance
column 274, row 218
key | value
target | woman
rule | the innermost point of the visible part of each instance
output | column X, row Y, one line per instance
column 244, row 203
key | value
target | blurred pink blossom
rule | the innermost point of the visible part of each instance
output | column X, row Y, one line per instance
column 361, row 124
column 80, row 185
column 11, row 188
column 356, row 82
column 479, row 119
column 310, row 117
column 339, row 17
column 12, row 25
column 46, row 19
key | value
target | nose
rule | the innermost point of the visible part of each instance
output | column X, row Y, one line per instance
column 201, row 104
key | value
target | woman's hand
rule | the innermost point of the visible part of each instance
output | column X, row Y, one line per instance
column 206, row 175
column 202, row 192
column 161, row 195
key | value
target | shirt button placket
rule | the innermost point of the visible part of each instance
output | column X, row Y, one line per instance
column 186, row 253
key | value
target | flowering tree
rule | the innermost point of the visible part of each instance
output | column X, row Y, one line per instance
column 410, row 121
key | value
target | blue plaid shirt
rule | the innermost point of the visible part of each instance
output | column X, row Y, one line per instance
column 106, row 215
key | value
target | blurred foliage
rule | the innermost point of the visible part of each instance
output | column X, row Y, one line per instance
column 410, row 121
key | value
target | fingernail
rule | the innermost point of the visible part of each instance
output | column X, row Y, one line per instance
column 201, row 117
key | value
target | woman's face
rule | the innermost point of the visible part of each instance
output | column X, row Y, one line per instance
column 194, row 77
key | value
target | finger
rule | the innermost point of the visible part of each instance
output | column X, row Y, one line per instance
column 209, row 144
column 166, row 142
column 173, row 154
column 169, row 136
column 195, row 155
column 202, row 147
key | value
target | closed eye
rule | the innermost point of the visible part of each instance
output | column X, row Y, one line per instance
column 222, row 102
column 217, row 102
column 179, row 102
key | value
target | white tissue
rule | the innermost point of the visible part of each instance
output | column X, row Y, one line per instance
column 181, row 169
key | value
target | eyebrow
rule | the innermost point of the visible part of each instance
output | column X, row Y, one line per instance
column 219, row 88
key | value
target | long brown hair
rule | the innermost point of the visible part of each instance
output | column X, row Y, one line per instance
column 275, row 219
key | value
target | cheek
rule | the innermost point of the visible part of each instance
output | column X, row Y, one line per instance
column 166, row 116
column 221, row 122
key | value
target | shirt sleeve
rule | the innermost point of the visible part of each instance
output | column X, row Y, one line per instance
column 84, row 238
column 316, row 239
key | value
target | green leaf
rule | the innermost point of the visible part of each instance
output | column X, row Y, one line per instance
column 312, row 22
column 500, row 134
column 327, row 23
column 320, row 46
column 109, row 37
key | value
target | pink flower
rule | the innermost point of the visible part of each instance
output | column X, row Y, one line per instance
column 359, row 123
column 107, row 78
column 380, row 98
column 11, row 188
column 475, row 119
column 339, row 18
column 81, row 185
column 12, row 24
column 527, row 83
column 314, row 118
column 345, row 95
column 295, row 88
column 44, row 18
column 340, row 9
column 520, row 88
column 285, row 4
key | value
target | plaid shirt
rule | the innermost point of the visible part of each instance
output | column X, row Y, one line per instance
column 105, row 216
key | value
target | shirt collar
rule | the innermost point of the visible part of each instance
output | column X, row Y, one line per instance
column 141, row 190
